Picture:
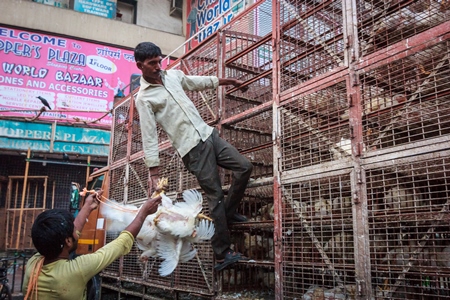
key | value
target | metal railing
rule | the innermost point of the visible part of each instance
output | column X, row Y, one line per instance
column 15, row 271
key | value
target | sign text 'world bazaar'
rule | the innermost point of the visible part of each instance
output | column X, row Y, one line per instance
column 77, row 78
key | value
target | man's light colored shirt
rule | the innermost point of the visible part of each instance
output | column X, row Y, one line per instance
column 67, row 279
column 171, row 108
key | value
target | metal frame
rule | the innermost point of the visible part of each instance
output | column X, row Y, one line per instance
column 345, row 45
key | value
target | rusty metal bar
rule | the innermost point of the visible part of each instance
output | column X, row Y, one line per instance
column 211, row 290
column 317, row 83
column 247, row 114
column 249, row 49
column 312, row 32
column 405, row 48
column 277, row 232
column 410, row 100
column 421, row 244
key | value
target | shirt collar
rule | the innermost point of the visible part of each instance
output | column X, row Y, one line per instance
column 145, row 84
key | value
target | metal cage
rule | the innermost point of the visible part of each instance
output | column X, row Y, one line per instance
column 346, row 120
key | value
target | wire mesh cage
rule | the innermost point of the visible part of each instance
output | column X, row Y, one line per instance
column 117, row 183
column 409, row 228
column 256, row 242
column 134, row 127
column 314, row 127
column 196, row 275
column 258, row 204
column 171, row 168
column 203, row 62
column 346, row 123
column 252, row 136
column 311, row 40
column 407, row 100
column 248, row 282
column 137, row 181
column 135, row 269
column 113, row 270
column 318, row 252
column 187, row 179
column 120, row 132
column 248, row 56
column 383, row 23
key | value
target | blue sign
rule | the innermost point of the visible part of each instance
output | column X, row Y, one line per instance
column 102, row 8
column 38, row 137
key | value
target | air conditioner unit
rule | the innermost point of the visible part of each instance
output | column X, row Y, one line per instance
column 176, row 8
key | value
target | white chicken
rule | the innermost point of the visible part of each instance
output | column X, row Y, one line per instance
column 177, row 249
column 168, row 233
column 180, row 226
column 322, row 207
column 179, row 218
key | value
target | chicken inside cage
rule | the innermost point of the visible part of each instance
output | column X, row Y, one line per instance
column 407, row 100
column 408, row 267
column 318, row 292
column 255, row 244
column 408, row 230
column 247, row 283
column 384, row 23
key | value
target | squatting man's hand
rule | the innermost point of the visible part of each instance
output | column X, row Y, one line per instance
column 93, row 199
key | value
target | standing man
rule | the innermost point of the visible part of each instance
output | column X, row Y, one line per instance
column 50, row 274
column 161, row 99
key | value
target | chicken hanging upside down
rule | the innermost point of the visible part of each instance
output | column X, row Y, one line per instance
column 170, row 232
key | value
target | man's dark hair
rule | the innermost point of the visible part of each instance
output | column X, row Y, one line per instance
column 50, row 230
column 146, row 50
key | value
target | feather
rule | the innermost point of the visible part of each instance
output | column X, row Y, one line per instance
column 166, row 201
column 194, row 199
column 204, row 231
column 152, row 252
column 169, row 249
column 179, row 220
column 192, row 204
column 121, row 215
column 187, row 252
column 168, row 233
column 174, row 223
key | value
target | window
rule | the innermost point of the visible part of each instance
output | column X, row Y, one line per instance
column 126, row 11
column 176, row 8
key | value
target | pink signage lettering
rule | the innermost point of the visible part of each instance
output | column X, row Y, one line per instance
column 78, row 79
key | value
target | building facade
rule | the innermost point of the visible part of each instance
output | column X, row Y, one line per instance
column 77, row 55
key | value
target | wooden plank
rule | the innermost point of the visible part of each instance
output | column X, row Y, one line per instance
column 3, row 232
column 27, row 165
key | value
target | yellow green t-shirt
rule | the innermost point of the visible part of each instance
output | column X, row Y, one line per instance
column 67, row 279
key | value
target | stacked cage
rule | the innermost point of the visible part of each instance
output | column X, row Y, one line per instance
column 405, row 95
column 245, row 120
column 346, row 122
column 247, row 123
column 129, row 184
column 315, row 145
column 364, row 130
